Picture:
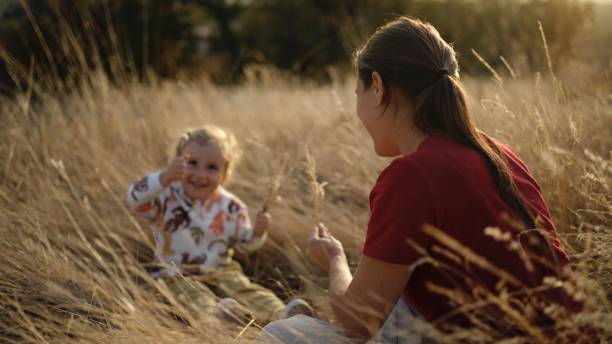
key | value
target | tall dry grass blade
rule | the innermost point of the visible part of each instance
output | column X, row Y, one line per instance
column 246, row 327
column 316, row 188
column 276, row 183
column 71, row 44
column 469, row 255
column 508, row 66
column 17, row 72
column 30, row 326
column 89, row 35
column 26, row 101
column 546, row 51
column 116, row 60
column 41, row 38
column 493, row 72
column 560, row 93
column 127, row 212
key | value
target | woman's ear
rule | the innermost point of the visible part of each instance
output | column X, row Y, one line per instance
column 379, row 87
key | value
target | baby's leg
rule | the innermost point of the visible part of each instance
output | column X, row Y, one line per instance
column 196, row 297
column 231, row 282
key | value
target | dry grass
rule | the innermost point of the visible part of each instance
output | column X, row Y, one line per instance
column 71, row 268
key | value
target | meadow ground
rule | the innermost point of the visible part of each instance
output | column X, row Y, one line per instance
column 72, row 261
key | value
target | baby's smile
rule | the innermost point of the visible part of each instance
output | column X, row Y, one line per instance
column 199, row 185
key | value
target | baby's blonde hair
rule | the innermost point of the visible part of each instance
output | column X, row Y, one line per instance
column 208, row 134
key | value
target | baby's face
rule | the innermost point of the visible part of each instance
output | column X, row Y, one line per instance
column 205, row 170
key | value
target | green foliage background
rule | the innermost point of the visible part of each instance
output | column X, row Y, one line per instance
column 137, row 37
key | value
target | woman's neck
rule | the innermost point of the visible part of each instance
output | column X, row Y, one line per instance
column 409, row 140
column 408, row 136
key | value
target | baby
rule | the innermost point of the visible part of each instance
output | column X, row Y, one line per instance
column 197, row 224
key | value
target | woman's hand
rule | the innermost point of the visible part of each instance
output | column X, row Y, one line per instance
column 262, row 222
column 322, row 247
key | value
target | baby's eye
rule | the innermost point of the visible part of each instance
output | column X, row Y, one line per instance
column 192, row 163
column 213, row 167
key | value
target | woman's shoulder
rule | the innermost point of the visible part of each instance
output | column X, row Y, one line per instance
column 512, row 157
column 440, row 153
column 416, row 166
column 402, row 175
column 436, row 154
column 442, row 162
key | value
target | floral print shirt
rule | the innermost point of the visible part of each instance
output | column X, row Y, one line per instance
column 191, row 236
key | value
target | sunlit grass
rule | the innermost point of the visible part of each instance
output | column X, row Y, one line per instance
column 73, row 257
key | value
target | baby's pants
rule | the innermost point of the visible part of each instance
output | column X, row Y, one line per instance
column 199, row 293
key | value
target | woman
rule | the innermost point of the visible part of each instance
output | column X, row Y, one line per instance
column 448, row 183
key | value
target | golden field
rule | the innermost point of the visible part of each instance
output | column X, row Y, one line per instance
column 73, row 259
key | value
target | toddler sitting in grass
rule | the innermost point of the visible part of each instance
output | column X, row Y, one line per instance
column 197, row 224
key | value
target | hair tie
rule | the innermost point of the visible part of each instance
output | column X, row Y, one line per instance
column 433, row 80
column 442, row 72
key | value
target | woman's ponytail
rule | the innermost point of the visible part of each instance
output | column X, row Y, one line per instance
column 411, row 56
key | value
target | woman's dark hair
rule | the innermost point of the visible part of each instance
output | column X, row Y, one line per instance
column 410, row 56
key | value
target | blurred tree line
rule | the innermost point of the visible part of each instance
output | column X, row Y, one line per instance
column 50, row 39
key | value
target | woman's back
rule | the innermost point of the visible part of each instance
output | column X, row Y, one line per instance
column 410, row 100
column 449, row 186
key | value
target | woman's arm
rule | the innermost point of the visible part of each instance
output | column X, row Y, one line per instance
column 363, row 302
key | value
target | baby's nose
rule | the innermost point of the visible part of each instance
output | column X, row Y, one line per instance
column 200, row 173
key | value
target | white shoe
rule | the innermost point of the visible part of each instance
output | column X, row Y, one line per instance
column 228, row 310
column 295, row 307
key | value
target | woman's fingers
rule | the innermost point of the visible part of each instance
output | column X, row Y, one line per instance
column 314, row 233
column 322, row 231
column 311, row 243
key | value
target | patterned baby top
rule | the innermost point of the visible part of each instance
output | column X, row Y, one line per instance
column 191, row 236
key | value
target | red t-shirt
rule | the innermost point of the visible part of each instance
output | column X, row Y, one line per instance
column 449, row 186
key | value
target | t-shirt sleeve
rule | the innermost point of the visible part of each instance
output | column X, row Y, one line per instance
column 401, row 202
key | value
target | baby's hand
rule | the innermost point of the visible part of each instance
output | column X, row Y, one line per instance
column 261, row 223
column 177, row 170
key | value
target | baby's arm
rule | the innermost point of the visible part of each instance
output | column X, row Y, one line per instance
column 142, row 195
column 248, row 237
